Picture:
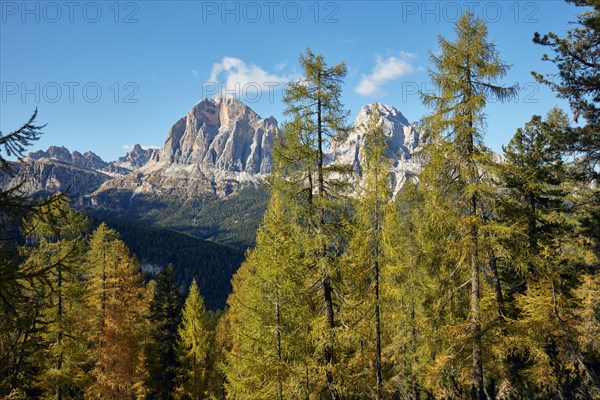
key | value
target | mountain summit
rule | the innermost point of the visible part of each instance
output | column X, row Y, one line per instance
column 404, row 139
column 219, row 147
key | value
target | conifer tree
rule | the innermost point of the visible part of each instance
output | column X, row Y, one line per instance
column 365, row 253
column 268, row 314
column 165, row 318
column 120, row 307
column 192, row 347
column 55, row 245
column 317, row 117
column 465, row 78
column 548, row 252
column 576, row 56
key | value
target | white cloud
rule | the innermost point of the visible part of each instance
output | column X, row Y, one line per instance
column 195, row 73
column 385, row 70
column 235, row 75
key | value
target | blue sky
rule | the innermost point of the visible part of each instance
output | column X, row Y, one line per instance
column 106, row 74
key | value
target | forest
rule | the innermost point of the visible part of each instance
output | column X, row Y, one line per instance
column 479, row 280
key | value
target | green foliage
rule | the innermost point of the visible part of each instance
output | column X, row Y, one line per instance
column 119, row 307
column 232, row 221
column 165, row 318
column 192, row 347
column 576, row 56
column 268, row 315
column 364, row 261
column 210, row 264
column 455, row 180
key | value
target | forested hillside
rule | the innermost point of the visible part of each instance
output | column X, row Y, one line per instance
column 210, row 264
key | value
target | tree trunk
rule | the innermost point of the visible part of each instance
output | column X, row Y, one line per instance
column 278, row 338
column 327, row 289
column 475, row 319
column 59, row 315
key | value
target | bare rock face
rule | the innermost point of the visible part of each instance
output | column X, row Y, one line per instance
column 222, row 134
column 404, row 140
column 136, row 158
column 86, row 160
column 50, row 175
column 219, row 147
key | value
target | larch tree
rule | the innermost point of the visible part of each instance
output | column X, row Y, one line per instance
column 365, row 255
column 192, row 347
column 317, row 116
column 269, row 351
column 119, row 301
column 549, row 253
column 56, row 244
column 465, row 77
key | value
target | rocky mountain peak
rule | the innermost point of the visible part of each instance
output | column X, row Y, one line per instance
column 404, row 141
column 88, row 160
column 221, row 133
column 136, row 158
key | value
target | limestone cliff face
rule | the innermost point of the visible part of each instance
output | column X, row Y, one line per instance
column 219, row 147
column 50, row 175
column 404, row 140
column 222, row 134
column 136, row 158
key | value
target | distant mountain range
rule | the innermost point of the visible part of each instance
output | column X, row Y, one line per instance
column 206, row 179
column 219, row 148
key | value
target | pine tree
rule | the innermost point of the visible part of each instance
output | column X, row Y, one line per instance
column 365, row 252
column 192, row 347
column 57, row 238
column 165, row 318
column 549, row 253
column 467, row 70
column 577, row 58
column 317, row 117
column 268, row 316
column 119, row 330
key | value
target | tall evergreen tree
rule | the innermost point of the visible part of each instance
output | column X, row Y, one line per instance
column 317, row 117
column 192, row 347
column 120, row 308
column 465, row 78
column 365, row 251
column 56, row 235
column 548, row 252
column 165, row 318
column 268, row 314
column 577, row 57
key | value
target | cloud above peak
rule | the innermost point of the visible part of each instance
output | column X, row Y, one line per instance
column 386, row 69
column 235, row 75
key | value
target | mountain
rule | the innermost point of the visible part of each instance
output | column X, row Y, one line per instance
column 204, row 185
column 136, row 158
column 206, row 178
column 218, row 148
column 404, row 141
column 60, row 170
column 87, row 160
